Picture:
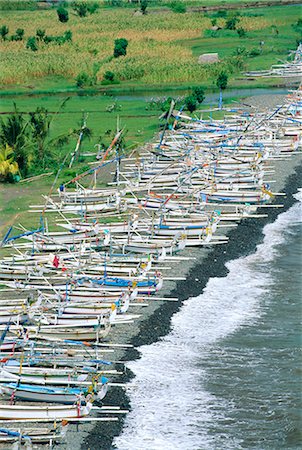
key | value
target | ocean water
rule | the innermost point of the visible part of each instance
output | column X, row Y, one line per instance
column 228, row 375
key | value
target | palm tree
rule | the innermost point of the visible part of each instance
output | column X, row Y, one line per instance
column 9, row 168
column 14, row 134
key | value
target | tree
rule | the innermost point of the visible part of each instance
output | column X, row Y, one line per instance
column 32, row 44
column 191, row 103
column 14, row 133
column 62, row 14
column 222, row 80
column 231, row 23
column 199, row 94
column 40, row 124
column 42, row 146
column 120, row 47
column 241, row 32
column 143, row 6
column 9, row 168
column 4, row 32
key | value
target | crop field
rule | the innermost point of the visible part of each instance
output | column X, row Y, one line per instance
column 163, row 46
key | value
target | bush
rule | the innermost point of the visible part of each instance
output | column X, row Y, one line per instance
column 59, row 40
column 67, row 36
column 80, row 8
column 40, row 34
column 83, row 8
column 143, row 6
column 199, row 94
column 241, row 32
column 191, row 103
column 120, row 47
column 178, row 7
column 62, row 14
column 32, row 44
column 231, row 23
column 18, row 36
column 254, row 52
column 109, row 76
column 222, row 80
column 4, row 32
column 298, row 26
column 92, row 7
column 82, row 79
column 221, row 13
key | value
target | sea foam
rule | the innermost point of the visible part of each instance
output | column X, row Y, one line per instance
column 171, row 407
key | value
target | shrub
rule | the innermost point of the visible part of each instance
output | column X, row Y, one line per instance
column 109, row 76
column 240, row 51
column 241, row 32
column 222, row 80
column 40, row 34
column 84, row 8
column 221, row 13
column 113, row 107
column 231, row 23
column 92, row 7
column 199, row 94
column 62, row 14
column 4, row 32
column 191, row 103
column 254, row 52
column 32, row 44
column 298, row 26
column 67, row 36
column 178, row 7
column 143, row 6
column 82, row 79
column 80, row 8
column 120, row 47
column 18, row 36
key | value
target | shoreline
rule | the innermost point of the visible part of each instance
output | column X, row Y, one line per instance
column 243, row 241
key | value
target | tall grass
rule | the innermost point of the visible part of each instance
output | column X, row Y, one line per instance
column 161, row 45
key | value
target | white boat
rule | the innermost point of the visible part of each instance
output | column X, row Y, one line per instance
column 20, row 412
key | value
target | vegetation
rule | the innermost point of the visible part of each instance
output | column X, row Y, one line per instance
column 4, row 32
column 84, row 8
column 241, row 32
column 154, row 41
column 178, row 7
column 231, row 22
column 120, row 47
column 63, row 15
column 143, row 6
column 9, row 168
column 32, row 44
column 222, row 81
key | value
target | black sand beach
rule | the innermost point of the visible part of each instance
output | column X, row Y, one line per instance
column 155, row 321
